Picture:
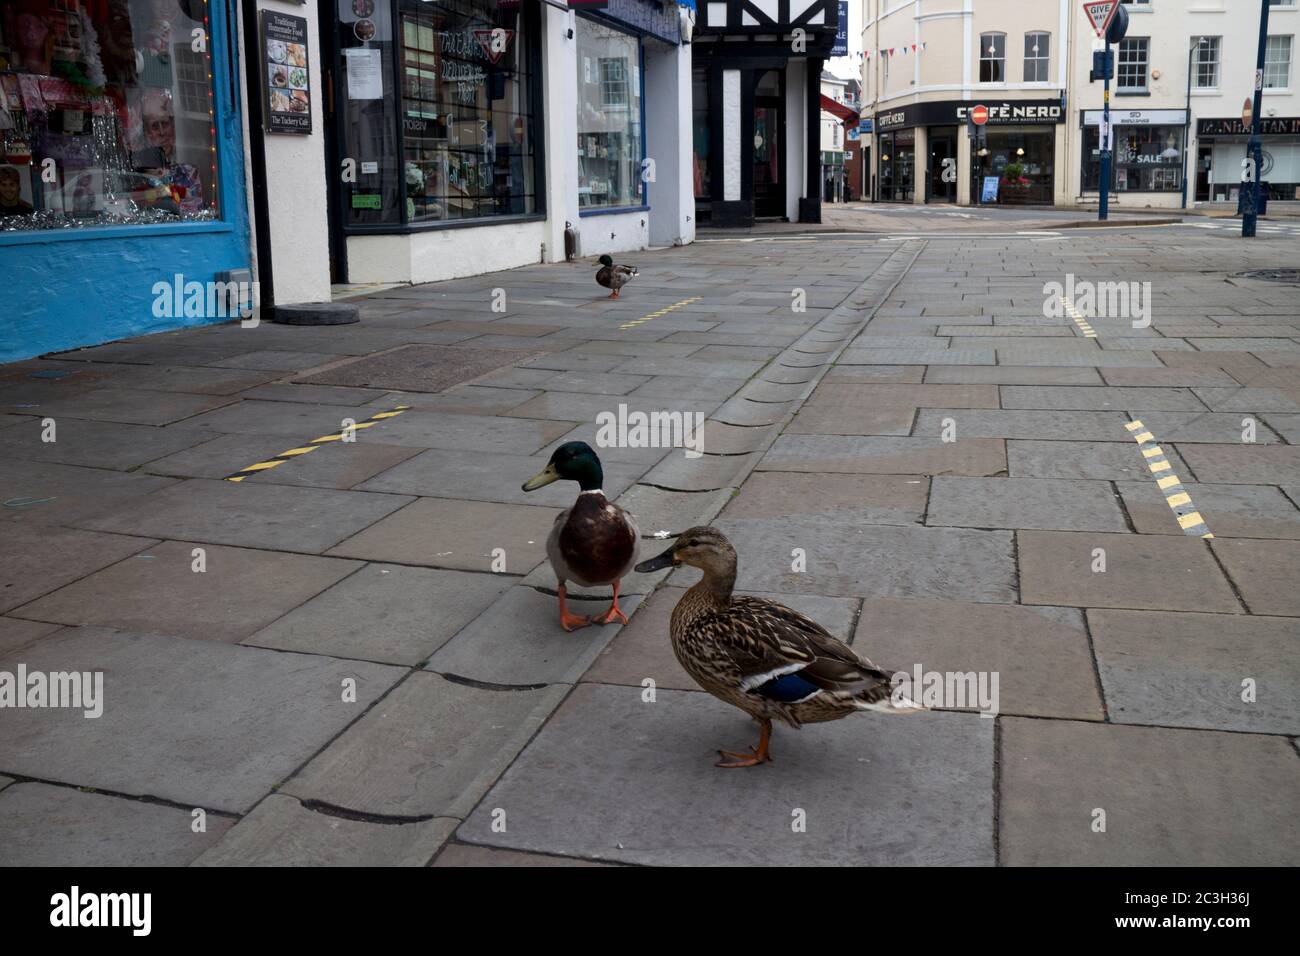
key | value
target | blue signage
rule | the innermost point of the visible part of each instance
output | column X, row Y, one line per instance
column 990, row 193
column 841, row 47
column 866, row 125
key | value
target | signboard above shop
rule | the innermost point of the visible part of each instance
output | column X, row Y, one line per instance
column 953, row 112
column 1137, row 117
column 1279, row 126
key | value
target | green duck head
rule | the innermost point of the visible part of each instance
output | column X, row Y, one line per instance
column 701, row 547
column 607, row 262
column 572, row 461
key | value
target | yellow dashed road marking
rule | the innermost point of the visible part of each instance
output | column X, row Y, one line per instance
column 312, row 445
column 1176, row 496
column 633, row 323
column 1079, row 320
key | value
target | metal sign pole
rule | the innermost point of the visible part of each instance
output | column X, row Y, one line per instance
column 1254, row 151
column 1103, row 209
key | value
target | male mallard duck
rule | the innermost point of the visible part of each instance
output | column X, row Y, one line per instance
column 595, row 541
column 613, row 277
column 761, row 656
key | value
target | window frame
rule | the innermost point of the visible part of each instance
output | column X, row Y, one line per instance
column 1000, row 61
column 638, row 35
column 1122, row 89
column 1045, row 60
column 1199, row 61
column 1290, row 61
column 531, row 29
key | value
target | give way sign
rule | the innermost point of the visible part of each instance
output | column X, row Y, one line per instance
column 1100, row 13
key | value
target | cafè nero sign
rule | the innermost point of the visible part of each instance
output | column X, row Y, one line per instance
column 960, row 112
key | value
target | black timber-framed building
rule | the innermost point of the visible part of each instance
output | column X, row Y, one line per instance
column 757, row 68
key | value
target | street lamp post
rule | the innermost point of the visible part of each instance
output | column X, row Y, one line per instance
column 1187, row 115
column 1250, row 188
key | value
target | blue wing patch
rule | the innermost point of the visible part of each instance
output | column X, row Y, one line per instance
column 787, row 689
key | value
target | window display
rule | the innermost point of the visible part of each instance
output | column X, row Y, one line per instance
column 463, row 102
column 106, row 113
column 1145, row 159
column 610, row 143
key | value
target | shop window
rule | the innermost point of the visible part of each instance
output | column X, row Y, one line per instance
column 993, row 57
column 1206, row 63
column 1131, row 64
column 1145, row 159
column 106, row 114
column 610, row 138
column 1038, row 57
column 1277, row 63
column 700, row 133
column 454, row 141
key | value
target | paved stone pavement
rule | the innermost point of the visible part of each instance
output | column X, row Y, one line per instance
column 330, row 663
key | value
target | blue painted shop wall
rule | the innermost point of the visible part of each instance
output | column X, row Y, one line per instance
column 67, row 288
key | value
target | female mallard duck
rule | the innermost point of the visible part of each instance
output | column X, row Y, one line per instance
column 763, row 657
column 595, row 541
column 613, row 277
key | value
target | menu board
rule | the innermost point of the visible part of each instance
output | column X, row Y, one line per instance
column 286, row 73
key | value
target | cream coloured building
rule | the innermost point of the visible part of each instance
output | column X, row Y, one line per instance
column 934, row 68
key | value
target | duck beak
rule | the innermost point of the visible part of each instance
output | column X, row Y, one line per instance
column 542, row 478
column 666, row 560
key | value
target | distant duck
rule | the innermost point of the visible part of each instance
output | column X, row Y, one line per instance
column 761, row 656
column 595, row 541
column 613, row 277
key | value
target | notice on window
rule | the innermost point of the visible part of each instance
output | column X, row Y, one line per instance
column 285, row 70
column 365, row 74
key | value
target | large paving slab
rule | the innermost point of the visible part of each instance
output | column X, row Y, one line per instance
column 1233, row 463
column 886, row 455
column 1055, row 504
column 854, row 559
column 843, row 420
column 1210, row 427
column 1264, row 572
column 462, row 854
column 16, row 633
column 447, row 533
column 1191, row 670
column 1019, row 423
column 1011, row 375
column 47, row 493
column 469, row 433
column 432, row 747
column 282, row 832
column 385, row 612
column 1142, row 571
column 1098, row 399
column 1040, row 655
column 913, row 396
column 518, row 641
column 97, row 444
column 335, row 465
column 158, row 590
column 199, row 723
column 251, row 515
column 643, row 649
column 639, row 786
column 1102, row 460
column 36, row 560
column 1171, row 797
column 44, row 825
column 873, row 499
column 1230, row 511
column 483, row 476
column 132, row 406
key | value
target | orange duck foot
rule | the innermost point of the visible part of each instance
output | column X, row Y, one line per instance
column 614, row 613
column 570, row 622
column 756, row 755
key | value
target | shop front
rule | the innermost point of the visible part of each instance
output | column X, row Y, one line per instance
column 1147, row 154
column 757, row 110
column 1221, row 146
column 121, row 170
column 479, row 131
column 968, row 151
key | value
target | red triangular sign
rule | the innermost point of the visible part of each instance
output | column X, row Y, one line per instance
column 1100, row 13
column 495, row 42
